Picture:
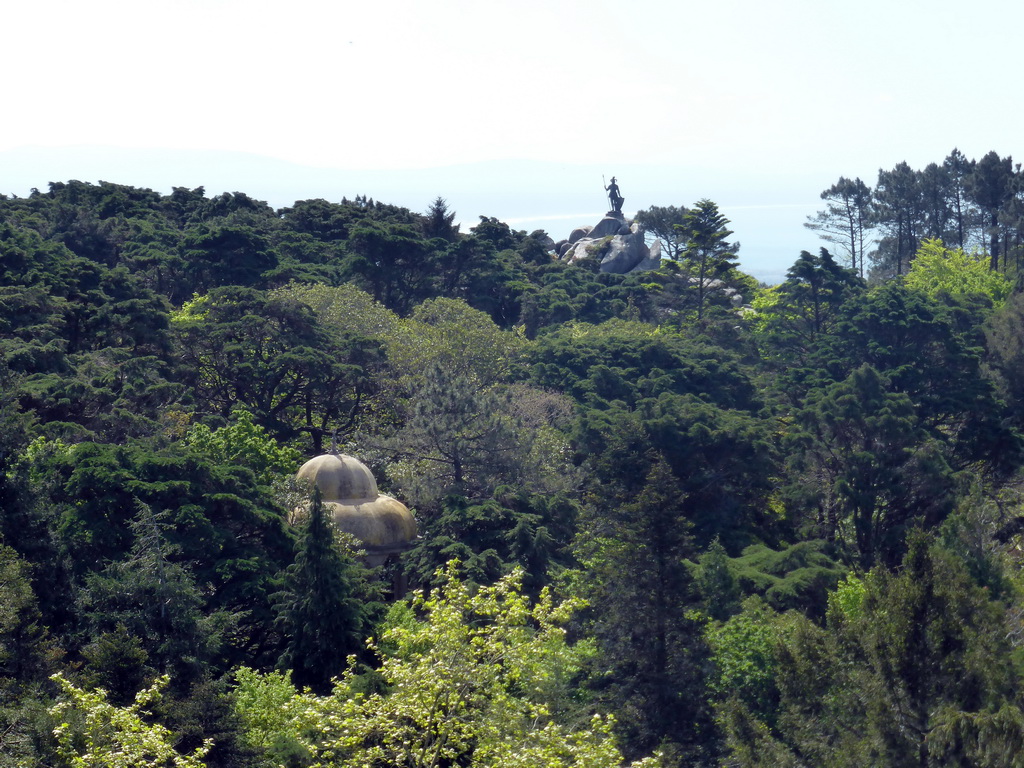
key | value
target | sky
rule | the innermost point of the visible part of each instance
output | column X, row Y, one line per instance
column 510, row 109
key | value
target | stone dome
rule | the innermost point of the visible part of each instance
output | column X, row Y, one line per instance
column 339, row 477
column 384, row 525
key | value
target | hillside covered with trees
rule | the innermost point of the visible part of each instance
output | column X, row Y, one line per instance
column 658, row 526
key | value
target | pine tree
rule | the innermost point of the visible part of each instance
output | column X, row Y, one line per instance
column 846, row 219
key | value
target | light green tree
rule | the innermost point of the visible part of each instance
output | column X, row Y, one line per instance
column 345, row 309
column 439, row 331
column 245, row 443
column 938, row 269
column 483, row 679
column 465, row 341
column 93, row 733
column 743, row 654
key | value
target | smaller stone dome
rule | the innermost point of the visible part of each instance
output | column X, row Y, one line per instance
column 339, row 477
column 384, row 525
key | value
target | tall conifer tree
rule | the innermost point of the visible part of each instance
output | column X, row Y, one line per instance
column 320, row 616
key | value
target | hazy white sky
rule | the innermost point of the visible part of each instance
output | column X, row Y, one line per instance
column 737, row 86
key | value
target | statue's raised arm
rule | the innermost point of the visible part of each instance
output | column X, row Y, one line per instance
column 614, row 197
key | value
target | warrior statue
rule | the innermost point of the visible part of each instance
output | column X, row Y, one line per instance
column 614, row 197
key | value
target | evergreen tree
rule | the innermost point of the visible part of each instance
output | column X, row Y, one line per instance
column 868, row 468
column 846, row 220
column 898, row 211
column 458, row 438
column 663, row 224
column 935, row 185
column 708, row 255
column 793, row 317
column 914, row 668
column 992, row 184
column 716, row 583
column 150, row 597
column 320, row 613
column 958, row 168
column 652, row 655
column 439, row 221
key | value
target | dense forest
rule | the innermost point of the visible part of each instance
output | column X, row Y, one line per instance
column 659, row 525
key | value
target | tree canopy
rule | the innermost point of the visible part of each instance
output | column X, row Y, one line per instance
column 671, row 518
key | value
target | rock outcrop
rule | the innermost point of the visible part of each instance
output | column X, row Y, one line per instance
column 615, row 242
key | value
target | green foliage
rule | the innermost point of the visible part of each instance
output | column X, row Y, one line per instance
column 743, row 651
column 871, row 467
column 663, row 223
column 848, row 599
column 601, row 430
column 215, row 526
column 262, row 701
column 980, row 532
column 716, row 583
column 791, row 318
column 913, row 669
column 629, row 361
column 938, row 269
column 931, row 351
column 226, row 253
column 392, row 263
column 481, row 680
column 457, row 439
column 320, row 613
column 898, row 208
column 116, row 662
column 708, row 255
column 652, row 655
column 451, row 334
column 27, row 654
column 991, row 185
column 1004, row 334
column 344, row 309
column 245, row 444
column 438, row 221
column 269, row 354
column 93, row 733
column 490, row 537
column 799, row 576
column 722, row 459
column 846, row 219
column 149, row 597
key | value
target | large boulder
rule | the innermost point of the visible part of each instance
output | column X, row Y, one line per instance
column 580, row 232
column 618, row 244
column 613, row 223
column 653, row 258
